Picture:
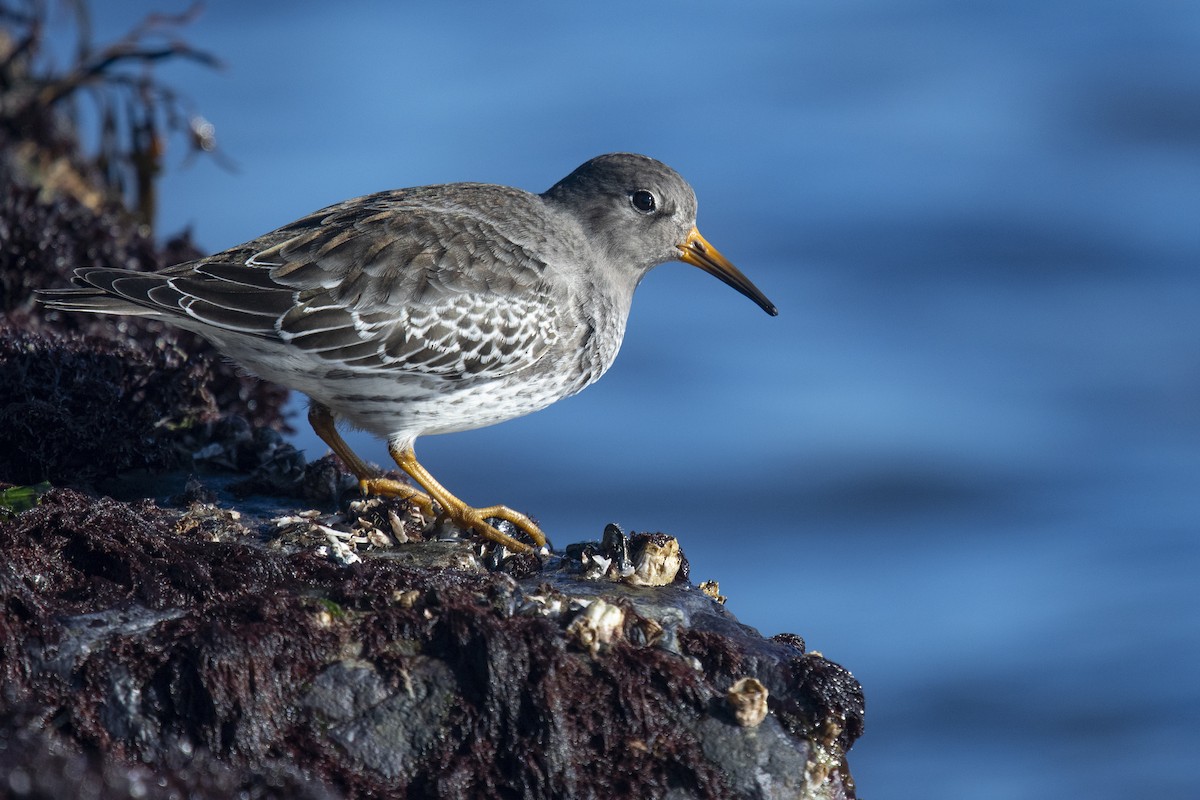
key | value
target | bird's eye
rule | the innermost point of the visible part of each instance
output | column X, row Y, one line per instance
column 643, row 201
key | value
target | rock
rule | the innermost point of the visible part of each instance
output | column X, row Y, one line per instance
column 196, row 648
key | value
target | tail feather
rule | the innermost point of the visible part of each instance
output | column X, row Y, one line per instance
column 91, row 300
column 186, row 297
column 94, row 292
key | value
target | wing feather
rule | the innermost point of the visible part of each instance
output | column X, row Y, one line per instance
column 421, row 281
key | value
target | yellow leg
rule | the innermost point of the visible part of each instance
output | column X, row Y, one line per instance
column 324, row 425
column 464, row 515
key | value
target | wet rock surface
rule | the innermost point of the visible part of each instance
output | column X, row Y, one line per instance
column 148, row 649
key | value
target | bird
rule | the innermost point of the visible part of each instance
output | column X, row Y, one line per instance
column 432, row 309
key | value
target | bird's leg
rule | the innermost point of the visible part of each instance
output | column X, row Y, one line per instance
column 464, row 515
column 324, row 425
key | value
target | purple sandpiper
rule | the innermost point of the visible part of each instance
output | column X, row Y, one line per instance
column 433, row 309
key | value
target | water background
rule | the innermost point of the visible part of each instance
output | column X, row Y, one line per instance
column 963, row 462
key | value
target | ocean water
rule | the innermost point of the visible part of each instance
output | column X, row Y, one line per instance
column 964, row 461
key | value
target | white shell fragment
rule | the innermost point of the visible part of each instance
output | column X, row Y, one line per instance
column 713, row 589
column 397, row 526
column 598, row 626
column 748, row 702
column 657, row 565
column 341, row 547
column 359, row 531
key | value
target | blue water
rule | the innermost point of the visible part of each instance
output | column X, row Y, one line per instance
column 964, row 461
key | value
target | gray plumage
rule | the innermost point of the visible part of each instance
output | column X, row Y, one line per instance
column 432, row 309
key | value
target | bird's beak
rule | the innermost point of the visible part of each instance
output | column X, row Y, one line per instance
column 699, row 253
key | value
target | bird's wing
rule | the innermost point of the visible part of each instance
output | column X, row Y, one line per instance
column 381, row 283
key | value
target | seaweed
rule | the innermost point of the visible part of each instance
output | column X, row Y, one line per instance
column 87, row 396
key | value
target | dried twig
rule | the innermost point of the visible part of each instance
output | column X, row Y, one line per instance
column 135, row 111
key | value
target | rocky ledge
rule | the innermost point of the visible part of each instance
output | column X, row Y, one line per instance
column 196, row 650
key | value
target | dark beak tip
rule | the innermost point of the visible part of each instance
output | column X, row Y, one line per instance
column 699, row 253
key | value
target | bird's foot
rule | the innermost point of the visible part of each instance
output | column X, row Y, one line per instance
column 476, row 519
column 393, row 488
column 461, row 514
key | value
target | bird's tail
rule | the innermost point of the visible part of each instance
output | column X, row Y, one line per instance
column 95, row 292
